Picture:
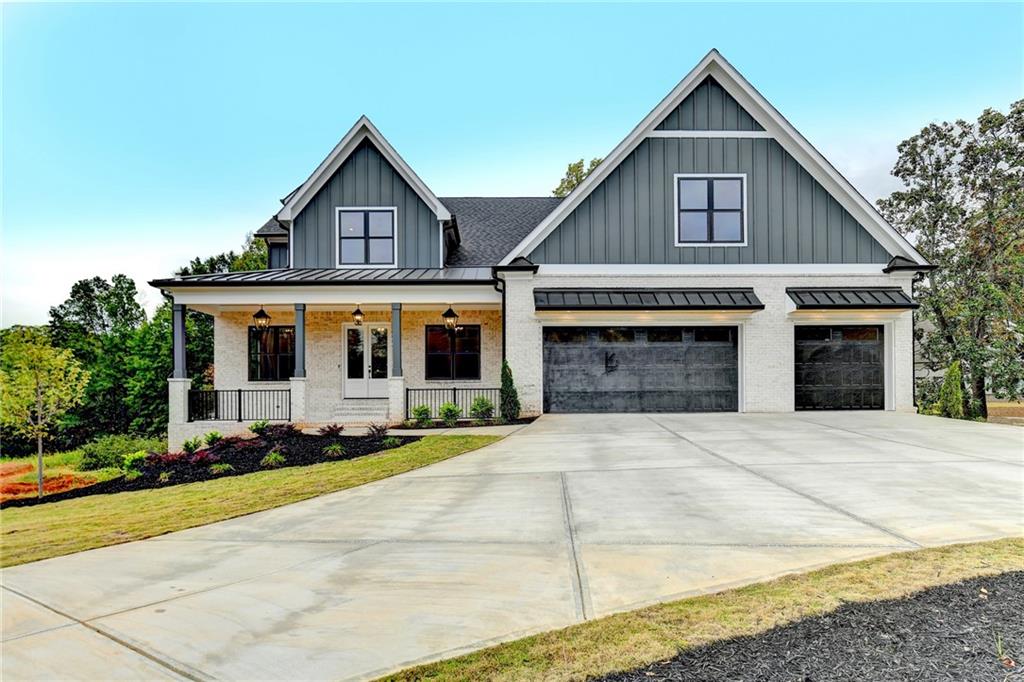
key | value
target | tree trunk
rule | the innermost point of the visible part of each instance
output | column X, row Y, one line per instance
column 39, row 457
column 978, row 393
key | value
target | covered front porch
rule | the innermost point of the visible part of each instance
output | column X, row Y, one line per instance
column 347, row 355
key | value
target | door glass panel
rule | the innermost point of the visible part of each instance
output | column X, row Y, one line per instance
column 379, row 353
column 354, row 351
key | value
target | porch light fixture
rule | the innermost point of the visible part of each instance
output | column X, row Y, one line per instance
column 451, row 318
column 261, row 319
column 357, row 316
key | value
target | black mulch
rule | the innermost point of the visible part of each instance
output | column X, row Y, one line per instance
column 244, row 456
column 945, row 633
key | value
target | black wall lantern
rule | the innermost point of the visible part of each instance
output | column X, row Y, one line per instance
column 261, row 319
column 451, row 318
column 357, row 316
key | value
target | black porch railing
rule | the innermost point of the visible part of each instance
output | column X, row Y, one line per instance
column 434, row 398
column 240, row 404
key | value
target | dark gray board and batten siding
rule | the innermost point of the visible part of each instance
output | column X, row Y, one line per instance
column 709, row 107
column 366, row 179
column 630, row 216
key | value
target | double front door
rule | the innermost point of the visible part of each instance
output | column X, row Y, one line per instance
column 365, row 370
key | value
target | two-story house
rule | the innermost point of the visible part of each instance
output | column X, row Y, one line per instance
column 714, row 261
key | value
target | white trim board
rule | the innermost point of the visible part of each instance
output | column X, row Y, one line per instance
column 711, row 134
column 729, row 269
column 714, row 64
column 363, row 129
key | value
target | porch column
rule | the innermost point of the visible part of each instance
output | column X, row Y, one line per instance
column 396, row 339
column 300, row 340
column 178, row 338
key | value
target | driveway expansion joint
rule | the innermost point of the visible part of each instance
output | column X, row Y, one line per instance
column 580, row 591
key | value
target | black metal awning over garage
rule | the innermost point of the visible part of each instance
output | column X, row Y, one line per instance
column 646, row 299
column 867, row 298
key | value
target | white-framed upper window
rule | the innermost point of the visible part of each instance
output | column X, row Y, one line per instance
column 366, row 236
column 711, row 209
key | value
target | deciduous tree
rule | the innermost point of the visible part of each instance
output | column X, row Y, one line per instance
column 575, row 173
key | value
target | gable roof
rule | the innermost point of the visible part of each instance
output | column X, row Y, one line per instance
column 362, row 130
column 714, row 64
column 272, row 228
column 489, row 227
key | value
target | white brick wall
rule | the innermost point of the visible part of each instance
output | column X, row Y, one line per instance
column 767, row 335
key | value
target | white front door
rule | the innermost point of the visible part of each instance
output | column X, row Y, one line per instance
column 365, row 369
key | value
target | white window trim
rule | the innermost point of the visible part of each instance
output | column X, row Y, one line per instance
column 365, row 266
column 699, row 176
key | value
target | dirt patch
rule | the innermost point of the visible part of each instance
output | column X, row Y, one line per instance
column 970, row 630
column 11, row 488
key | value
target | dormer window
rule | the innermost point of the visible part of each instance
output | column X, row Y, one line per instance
column 366, row 237
column 711, row 210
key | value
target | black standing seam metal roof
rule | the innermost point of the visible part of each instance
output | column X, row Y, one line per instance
column 332, row 276
column 851, row 298
column 646, row 299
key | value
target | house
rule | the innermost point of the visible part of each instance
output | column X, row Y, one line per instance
column 714, row 261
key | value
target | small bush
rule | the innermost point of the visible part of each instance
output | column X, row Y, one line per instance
column 331, row 430
column 274, row 459
column 391, row 442
column 109, row 451
column 421, row 415
column 260, row 427
column 192, row 445
column 279, row 431
column 334, row 450
column 223, row 468
column 450, row 413
column 509, row 396
column 951, row 395
column 134, row 462
column 164, row 477
column 248, row 445
column 377, row 431
column 202, row 458
column 212, row 438
column 481, row 409
column 163, row 460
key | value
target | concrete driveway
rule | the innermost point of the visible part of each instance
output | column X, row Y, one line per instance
column 570, row 518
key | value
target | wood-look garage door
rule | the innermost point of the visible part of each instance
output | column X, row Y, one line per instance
column 640, row 369
column 840, row 368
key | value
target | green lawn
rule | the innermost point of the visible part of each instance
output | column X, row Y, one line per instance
column 629, row 640
column 49, row 530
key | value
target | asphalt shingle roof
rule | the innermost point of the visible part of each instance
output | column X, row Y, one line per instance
column 272, row 228
column 490, row 227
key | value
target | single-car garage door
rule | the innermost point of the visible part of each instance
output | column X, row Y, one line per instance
column 839, row 368
column 640, row 369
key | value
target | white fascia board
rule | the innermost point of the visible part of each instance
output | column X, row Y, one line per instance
column 339, row 295
column 713, row 64
column 362, row 130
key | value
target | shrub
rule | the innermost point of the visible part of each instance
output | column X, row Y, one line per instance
column 164, row 477
column 279, row 431
column 481, row 409
column 391, row 442
column 450, row 413
column 274, row 459
column 212, row 438
column 331, row 430
column 191, row 445
column 334, row 450
column 109, row 451
column 218, row 469
column 134, row 462
column 248, row 445
column 163, row 460
column 202, row 458
column 421, row 415
column 376, row 431
column 260, row 427
column 509, row 397
column 951, row 395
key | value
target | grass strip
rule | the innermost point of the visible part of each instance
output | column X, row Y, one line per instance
column 50, row 530
column 630, row 640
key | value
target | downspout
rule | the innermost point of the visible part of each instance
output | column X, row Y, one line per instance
column 498, row 281
column 918, row 276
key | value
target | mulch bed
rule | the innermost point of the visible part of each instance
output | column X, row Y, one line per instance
column 944, row 633
column 410, row 424
column 243, row 454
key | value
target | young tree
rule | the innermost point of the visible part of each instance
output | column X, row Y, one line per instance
column 38, row 384
column 575, row 173
column 963, row 205
column 508, row 396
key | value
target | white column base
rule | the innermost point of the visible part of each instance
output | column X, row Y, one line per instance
column 396, row 399
column 297, row 385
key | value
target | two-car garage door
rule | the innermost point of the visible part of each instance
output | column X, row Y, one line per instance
column 640, row 369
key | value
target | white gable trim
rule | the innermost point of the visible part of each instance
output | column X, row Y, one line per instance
column 713, row 64
column 362, row 130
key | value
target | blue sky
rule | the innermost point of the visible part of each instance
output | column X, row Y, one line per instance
column 135, row 136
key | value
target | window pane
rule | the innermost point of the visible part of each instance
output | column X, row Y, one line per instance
column 814, row 334
column 467, row 366
column 565, row 335
column 285, row 367
column 712, row 334
column 381, row 250
column 354, row 345
column 285, row 339
column 728, row 194
column 616, row 335
column 728, row 227
column 860, row 334
column 351, row 224
column 437, row 340
column 693, row 194
column 380, row 223
column 664, row 335
column 379, row 353
column 439, row 366
column 352, row 251
column 467, row 340
column 693, row 227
